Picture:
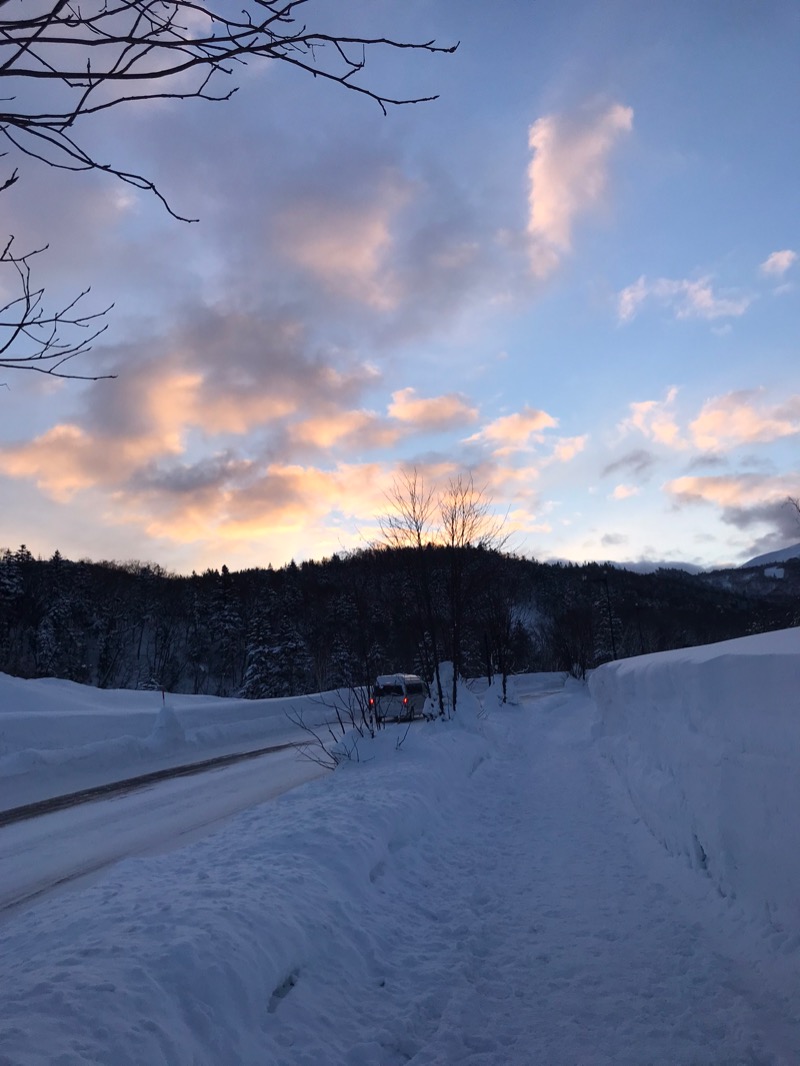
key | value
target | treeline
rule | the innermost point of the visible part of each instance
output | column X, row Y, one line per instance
column 338, row 622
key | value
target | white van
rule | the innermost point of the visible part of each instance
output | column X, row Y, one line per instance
column 398, row 697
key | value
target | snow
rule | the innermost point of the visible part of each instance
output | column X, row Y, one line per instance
column 707, row 741
column 58, row 737
column 476, row 891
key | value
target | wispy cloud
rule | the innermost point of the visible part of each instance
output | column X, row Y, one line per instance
column 568, row 176
column 684, row 297
column 776, row 264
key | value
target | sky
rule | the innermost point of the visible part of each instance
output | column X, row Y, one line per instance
column 574, row 276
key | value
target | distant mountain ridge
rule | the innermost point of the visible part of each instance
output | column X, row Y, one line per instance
column 780, row 556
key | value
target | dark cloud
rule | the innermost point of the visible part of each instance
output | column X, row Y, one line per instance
column 610, row 540
column 638, row 462
column 707, row 461
column 181, row 479
column 780, row 515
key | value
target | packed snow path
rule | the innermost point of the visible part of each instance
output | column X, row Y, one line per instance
column 524, row 918
column 552, row 929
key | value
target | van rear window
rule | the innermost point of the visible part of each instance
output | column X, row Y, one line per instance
column 388, row 690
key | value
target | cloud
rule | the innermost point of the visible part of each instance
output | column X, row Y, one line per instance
column 624, row 492
column 737, row 418
column 568, row 176
column 776, row 264
column 220, row 383
column 746, row 502
column 432, row 413
column 731, row 492
column 638, row 461
column 515, row 432
column 567, row 448
column 353, row 430
column 613, row 540
column 655, row 420
column 684, row 297
column 347, row 244
column 706, row 460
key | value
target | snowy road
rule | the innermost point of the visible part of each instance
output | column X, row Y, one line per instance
column 42, row 854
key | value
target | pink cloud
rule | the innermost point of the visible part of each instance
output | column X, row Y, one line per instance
column 776, row 264
column 655, row 419
column 568, row 176
column 684, row 297
column 737, row 418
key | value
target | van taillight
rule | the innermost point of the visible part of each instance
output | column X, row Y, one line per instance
column 405, row 700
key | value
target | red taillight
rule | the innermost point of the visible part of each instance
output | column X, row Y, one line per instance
column 371, row 702
column 405, row 700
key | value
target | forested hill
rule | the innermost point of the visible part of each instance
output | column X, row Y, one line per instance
column 343, row 620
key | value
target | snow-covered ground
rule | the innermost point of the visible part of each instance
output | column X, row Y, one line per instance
column 58, row 737
column 707, row 741
column 475, row 892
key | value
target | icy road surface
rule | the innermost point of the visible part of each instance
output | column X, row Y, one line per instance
column 52, row 851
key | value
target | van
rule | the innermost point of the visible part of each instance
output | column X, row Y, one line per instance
column 398, row 697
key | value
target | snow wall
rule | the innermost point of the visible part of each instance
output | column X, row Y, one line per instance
column 707, row 741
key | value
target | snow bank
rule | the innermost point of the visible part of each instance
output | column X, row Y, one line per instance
column 58, row 737
column 707, row 741
column 185, row 958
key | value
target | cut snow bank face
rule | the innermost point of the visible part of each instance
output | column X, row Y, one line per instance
column 58, row 737
column 707, row 741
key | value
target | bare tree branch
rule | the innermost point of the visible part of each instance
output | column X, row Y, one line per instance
column 102, row 54
column 62, row 61
column 33, row 338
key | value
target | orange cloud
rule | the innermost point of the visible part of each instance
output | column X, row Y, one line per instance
column 515, row 432
column 350, row 428
column 433, row 412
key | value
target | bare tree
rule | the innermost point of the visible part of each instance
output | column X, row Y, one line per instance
column 64, row 61
column 467, row 523
column 409, row 524
column 460, row 519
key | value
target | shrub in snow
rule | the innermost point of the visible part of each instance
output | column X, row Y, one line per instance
column 346, row 748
